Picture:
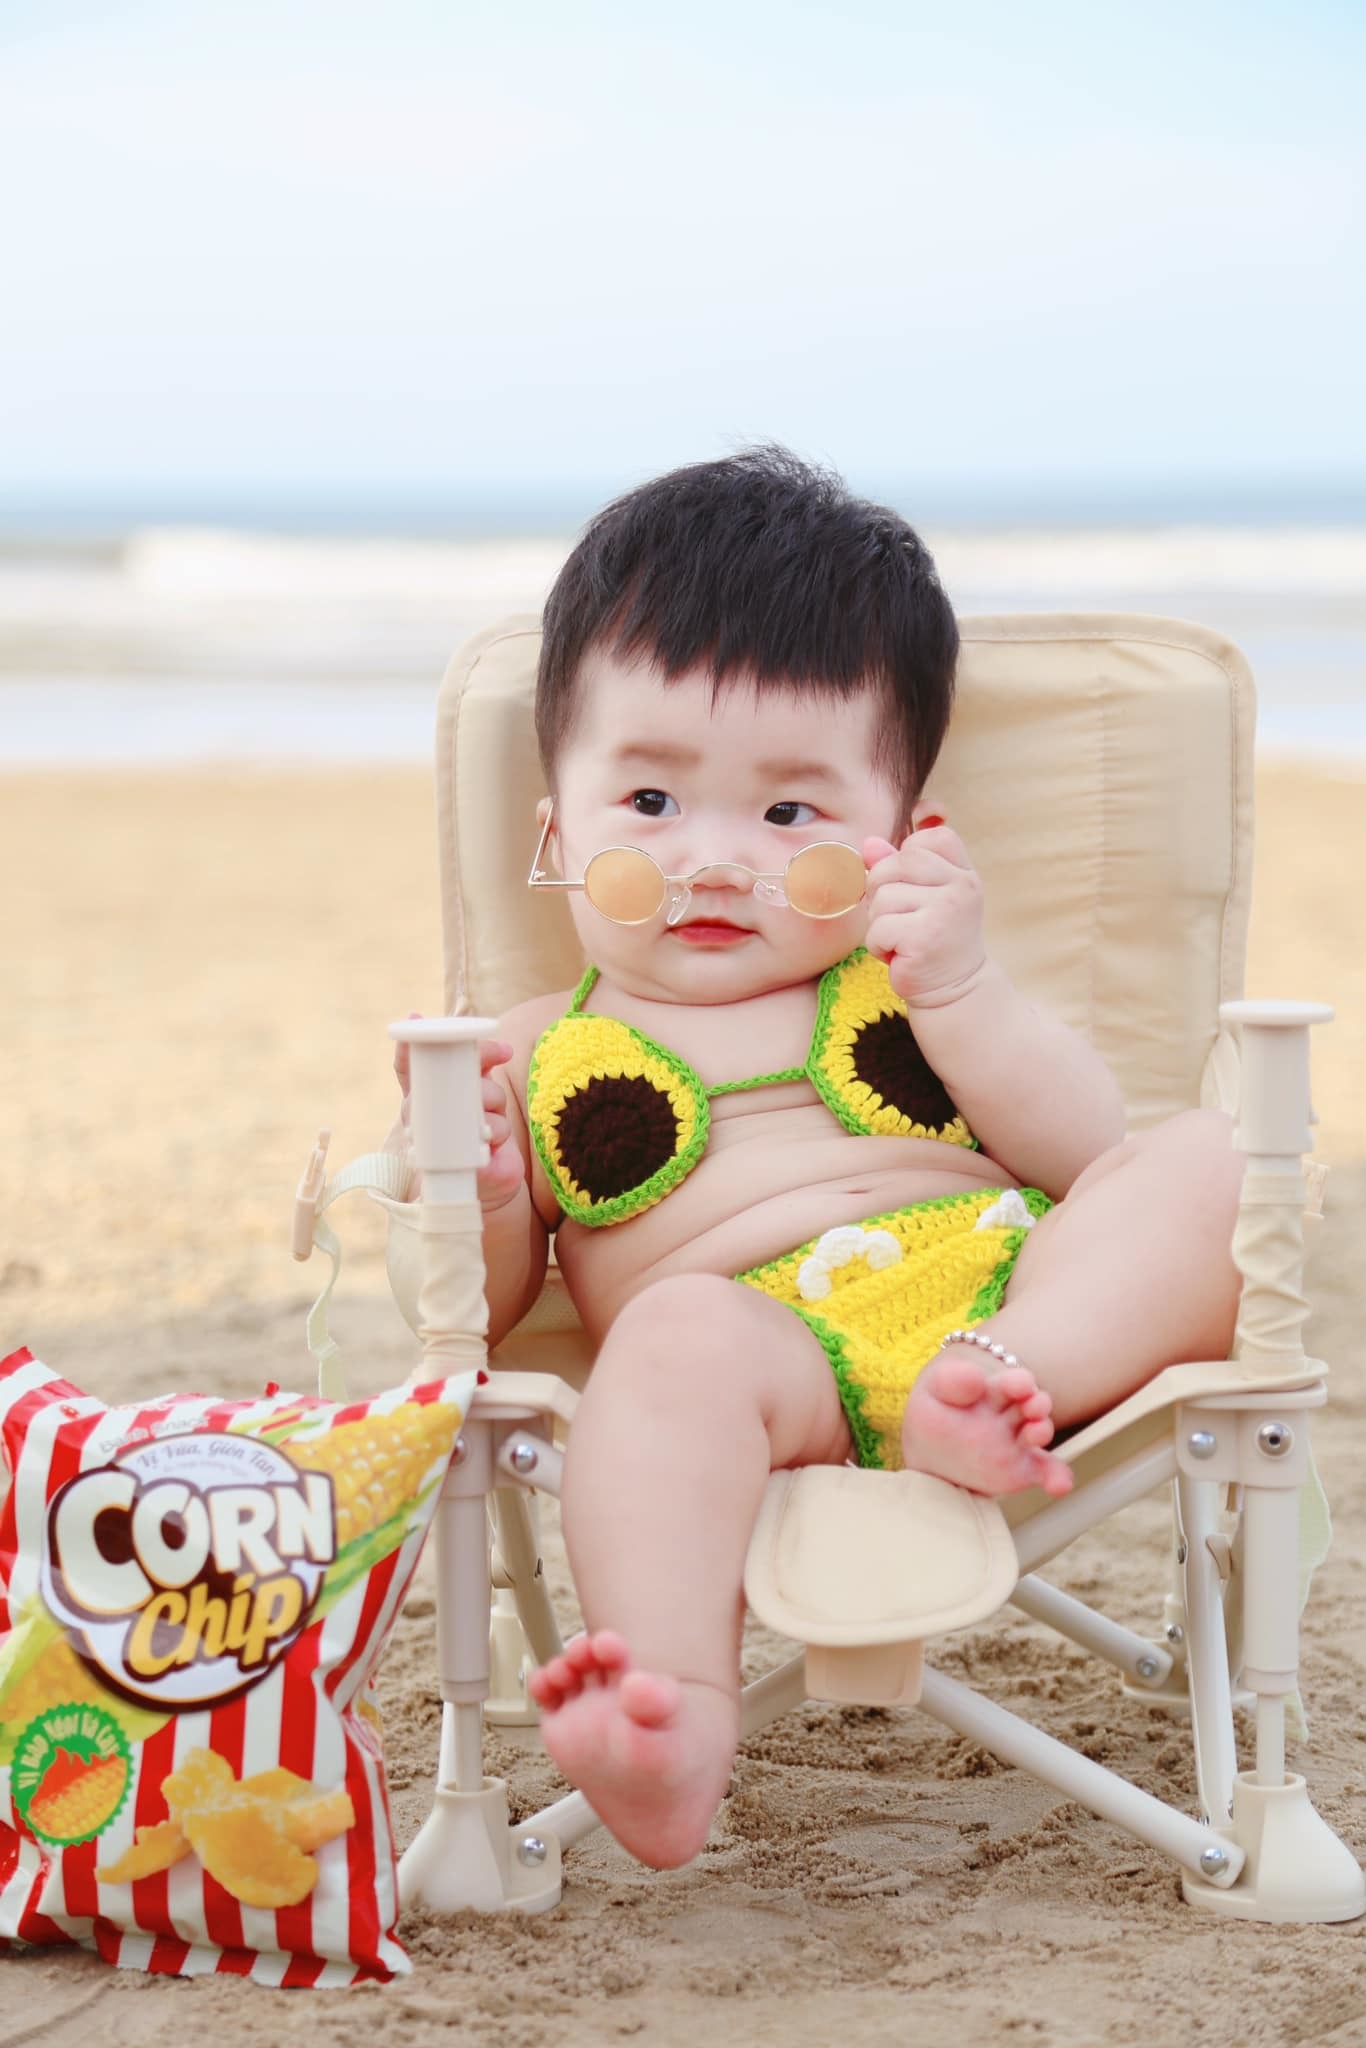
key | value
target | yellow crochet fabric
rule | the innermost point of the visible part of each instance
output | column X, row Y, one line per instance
column 882, row 1294
column 857, row 1010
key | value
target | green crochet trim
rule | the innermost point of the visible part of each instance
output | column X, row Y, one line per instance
column 826, row 1000
column 991, row 1293
column 867, row 1441
column 580, row 996
column 758, row 1080
column 615, row 1208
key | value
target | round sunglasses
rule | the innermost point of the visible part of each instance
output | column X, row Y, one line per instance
column 622, row 883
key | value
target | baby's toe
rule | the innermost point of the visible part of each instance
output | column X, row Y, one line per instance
column 1016, row 1383
column 549, row 1685
column 958, row 1381
column 650, row 1699
column 1051, row 1474
column 580, row 1657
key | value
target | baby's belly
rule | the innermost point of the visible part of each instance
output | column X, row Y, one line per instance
column 746, row 1202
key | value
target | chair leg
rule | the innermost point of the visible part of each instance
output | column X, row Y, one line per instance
column 1201, row 1557
column 1296, row 1869
column 466, row 1854
column 524, row 1628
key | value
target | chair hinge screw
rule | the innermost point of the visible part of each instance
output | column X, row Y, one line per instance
column 1212, row 1861
column 1146, row 1667
column 531, row 1849
column 1274, row 1439
column 461, row 1451
column 1174, row 1632
column 1202, row 1443
column 524, row 1458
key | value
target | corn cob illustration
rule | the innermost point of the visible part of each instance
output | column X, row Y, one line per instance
column 57, row 1678
column 378, row 1463
column 76, row 1799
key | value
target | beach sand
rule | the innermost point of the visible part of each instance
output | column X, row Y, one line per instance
column 198, row 972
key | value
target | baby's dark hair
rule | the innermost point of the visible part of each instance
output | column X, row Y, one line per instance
column 765, row 567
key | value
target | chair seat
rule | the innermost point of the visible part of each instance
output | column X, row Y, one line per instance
column 843, row 1557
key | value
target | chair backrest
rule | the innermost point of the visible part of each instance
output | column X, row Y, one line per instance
column 1098, row 768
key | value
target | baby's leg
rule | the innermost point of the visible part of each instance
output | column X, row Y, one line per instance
column 701, row 1389
column 1132, row 1272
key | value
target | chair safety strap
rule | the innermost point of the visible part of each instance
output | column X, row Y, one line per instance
column 383, row 1173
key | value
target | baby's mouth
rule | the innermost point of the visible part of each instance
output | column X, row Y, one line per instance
column 718, row 929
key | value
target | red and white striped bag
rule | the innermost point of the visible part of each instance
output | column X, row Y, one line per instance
column 193, row 1596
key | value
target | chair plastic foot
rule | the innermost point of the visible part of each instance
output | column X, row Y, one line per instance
column 1172, row 1694
column 466, row 1857
column 509, row 1705
column 1297, row 1869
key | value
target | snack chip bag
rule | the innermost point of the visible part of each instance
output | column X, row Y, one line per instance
column 194, row 1594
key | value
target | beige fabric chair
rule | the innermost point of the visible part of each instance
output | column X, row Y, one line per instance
column 1101, row 771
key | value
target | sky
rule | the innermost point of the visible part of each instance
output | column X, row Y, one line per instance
column 441, row 246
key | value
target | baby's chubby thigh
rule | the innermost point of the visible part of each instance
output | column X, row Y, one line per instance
column 701, row 1388
column 699, row 1355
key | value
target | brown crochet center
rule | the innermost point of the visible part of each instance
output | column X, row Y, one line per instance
column 887, row 1057
column 615, row 1133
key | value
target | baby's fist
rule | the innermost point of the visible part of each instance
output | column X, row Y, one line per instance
column 925, row 912
column 506, row 1170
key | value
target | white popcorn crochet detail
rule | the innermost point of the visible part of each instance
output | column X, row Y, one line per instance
column 1010, row 1213
column 840, row 1247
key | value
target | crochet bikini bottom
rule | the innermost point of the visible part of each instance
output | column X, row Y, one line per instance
column 880, row 1295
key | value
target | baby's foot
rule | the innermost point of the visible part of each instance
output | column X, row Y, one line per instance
column 651, row 1754
column 986, row 1433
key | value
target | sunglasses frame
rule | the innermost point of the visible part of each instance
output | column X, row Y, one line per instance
column 538, row 879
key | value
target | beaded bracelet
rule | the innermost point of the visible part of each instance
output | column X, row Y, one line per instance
column 971, row 1337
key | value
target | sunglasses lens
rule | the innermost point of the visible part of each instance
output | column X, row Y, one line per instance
column 624, row 884
column 825, row 880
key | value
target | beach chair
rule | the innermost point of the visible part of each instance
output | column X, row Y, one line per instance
column 1101, row 771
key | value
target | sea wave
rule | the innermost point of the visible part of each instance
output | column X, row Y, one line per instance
column 189, row 566
column 244, row 616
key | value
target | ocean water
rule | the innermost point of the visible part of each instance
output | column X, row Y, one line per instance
column 180, row 644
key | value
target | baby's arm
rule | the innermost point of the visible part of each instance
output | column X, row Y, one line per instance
column 1036, row 1095
column 516, row 1241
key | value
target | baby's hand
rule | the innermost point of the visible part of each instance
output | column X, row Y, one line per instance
column 925, row 911
column 498, row 1181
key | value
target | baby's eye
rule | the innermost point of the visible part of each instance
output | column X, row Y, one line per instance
column 789, row 807
column 649, row 803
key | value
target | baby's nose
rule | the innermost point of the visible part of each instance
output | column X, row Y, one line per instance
column 723, row 874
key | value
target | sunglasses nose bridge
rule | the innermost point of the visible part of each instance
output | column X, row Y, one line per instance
column 723, row 874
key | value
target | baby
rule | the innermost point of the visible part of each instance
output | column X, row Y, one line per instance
column 807, row 1151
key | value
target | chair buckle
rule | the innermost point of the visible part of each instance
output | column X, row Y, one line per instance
column 306, row 1197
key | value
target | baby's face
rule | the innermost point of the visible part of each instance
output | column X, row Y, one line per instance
column 753, row 780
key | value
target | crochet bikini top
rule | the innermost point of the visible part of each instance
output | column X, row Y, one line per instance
column 618, row 1120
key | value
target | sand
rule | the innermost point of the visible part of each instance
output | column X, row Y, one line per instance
column 198, row 971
